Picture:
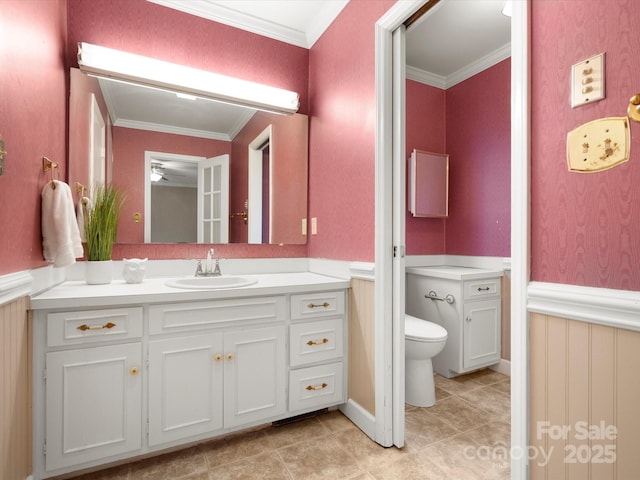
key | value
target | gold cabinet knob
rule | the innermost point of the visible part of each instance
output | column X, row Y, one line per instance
column 229, row 356
column 133, row 371
column 217, row 357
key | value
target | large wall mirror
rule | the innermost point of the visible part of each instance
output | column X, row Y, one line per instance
column 159, row 145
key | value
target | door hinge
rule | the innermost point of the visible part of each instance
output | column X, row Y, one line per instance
column 44, row 449
column 146, row 361
column 398, row 250
column 44, row 375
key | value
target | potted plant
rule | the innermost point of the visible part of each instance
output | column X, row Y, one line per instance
column 101, row 225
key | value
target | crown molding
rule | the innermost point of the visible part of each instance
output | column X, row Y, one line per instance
column 461, row 75
column 229, row 16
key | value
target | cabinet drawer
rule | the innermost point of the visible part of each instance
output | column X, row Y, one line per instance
column 313, row 305
column 317, row 341
column 316, row 387
column 476, row 289
column 89, row 326
column 190, row 316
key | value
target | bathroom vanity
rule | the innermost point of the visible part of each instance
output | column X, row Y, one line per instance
column 126, row 370
column 467, row 303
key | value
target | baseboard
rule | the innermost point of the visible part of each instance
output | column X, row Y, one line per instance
column 504, row 367
column 360, row 417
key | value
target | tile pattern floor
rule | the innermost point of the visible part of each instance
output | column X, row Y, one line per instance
column 464, row 436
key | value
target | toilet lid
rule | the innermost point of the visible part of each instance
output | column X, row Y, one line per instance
column 422, row 330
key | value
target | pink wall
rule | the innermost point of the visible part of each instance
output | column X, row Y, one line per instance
column 474, row 129
column 342, row 138
column 478, row 144
column 289, row 173
column 425, row 120
column 129, row 146
column 33, row 105
column 585, row 227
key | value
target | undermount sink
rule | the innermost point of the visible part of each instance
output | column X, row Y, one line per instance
column 197, row 283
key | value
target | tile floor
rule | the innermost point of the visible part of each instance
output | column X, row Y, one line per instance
column 465, row 436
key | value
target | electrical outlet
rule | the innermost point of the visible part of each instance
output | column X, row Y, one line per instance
column 314, row 226
column 598, row 145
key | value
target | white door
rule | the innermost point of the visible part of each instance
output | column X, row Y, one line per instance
column 399, row 199
column 213, row 200
column 185, row 387
column 93, row 404
column 255, row 375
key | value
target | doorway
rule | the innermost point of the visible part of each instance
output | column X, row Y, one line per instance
column 390, row 235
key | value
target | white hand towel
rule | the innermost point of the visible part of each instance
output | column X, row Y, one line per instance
column 83, row 207
column 61, row 243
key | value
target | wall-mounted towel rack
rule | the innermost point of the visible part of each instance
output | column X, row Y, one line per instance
column 49, row 165
column 80, row 189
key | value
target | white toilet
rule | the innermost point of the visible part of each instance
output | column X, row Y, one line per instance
column 423, row 341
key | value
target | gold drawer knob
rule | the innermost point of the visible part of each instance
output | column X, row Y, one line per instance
column 217, row 357
column 318, row 305
column 133, row 371
column 317, row 387
column 85, row 327
column 318, row 342
column 229, row 356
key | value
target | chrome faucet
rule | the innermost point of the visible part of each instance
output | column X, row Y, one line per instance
column 209, row 270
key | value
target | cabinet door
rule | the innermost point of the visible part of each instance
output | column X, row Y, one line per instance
column 255, row 375
column 481, row 333
column 93, row 404
column 185, row 387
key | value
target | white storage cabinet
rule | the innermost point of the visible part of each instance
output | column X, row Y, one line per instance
column 467, row 303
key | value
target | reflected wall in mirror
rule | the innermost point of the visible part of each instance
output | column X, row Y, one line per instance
column 201, row 133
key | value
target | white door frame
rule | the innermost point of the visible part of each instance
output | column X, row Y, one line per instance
column 385, row 344
column 254, row 200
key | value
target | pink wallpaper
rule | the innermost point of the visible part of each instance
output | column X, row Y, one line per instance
column 585, row 227
column 425, row 121
column 479, row 143
column 289, row 172
column 474, row 129
column 33, row 121
column 342, row 138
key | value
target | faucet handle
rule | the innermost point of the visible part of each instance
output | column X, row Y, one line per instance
column 199, row 268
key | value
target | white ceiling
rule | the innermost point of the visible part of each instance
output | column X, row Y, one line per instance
column 455, row 40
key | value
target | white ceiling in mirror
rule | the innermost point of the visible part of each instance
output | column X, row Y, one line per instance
column 135, row 106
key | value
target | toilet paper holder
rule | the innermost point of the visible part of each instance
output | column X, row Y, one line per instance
column 450, row 299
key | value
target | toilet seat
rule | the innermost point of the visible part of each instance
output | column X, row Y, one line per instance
column 422, row 330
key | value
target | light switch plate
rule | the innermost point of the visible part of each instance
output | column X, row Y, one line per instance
column 587, row 81
column 598, row 145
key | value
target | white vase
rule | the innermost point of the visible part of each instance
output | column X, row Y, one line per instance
column 98, row 272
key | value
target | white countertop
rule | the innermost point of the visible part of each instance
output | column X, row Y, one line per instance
column 76, row 294
column 455, row 273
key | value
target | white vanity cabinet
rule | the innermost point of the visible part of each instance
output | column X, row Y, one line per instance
column 231, row 373
column 129, row 379
column 93, row 406
column 466, row 302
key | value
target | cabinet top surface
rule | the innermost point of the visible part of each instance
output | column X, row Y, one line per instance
column 455, row 273
column 154, row 290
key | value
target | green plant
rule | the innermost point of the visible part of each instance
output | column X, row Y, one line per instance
column 101, row 221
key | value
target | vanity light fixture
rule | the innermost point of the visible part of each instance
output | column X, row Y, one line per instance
column 117, row 65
